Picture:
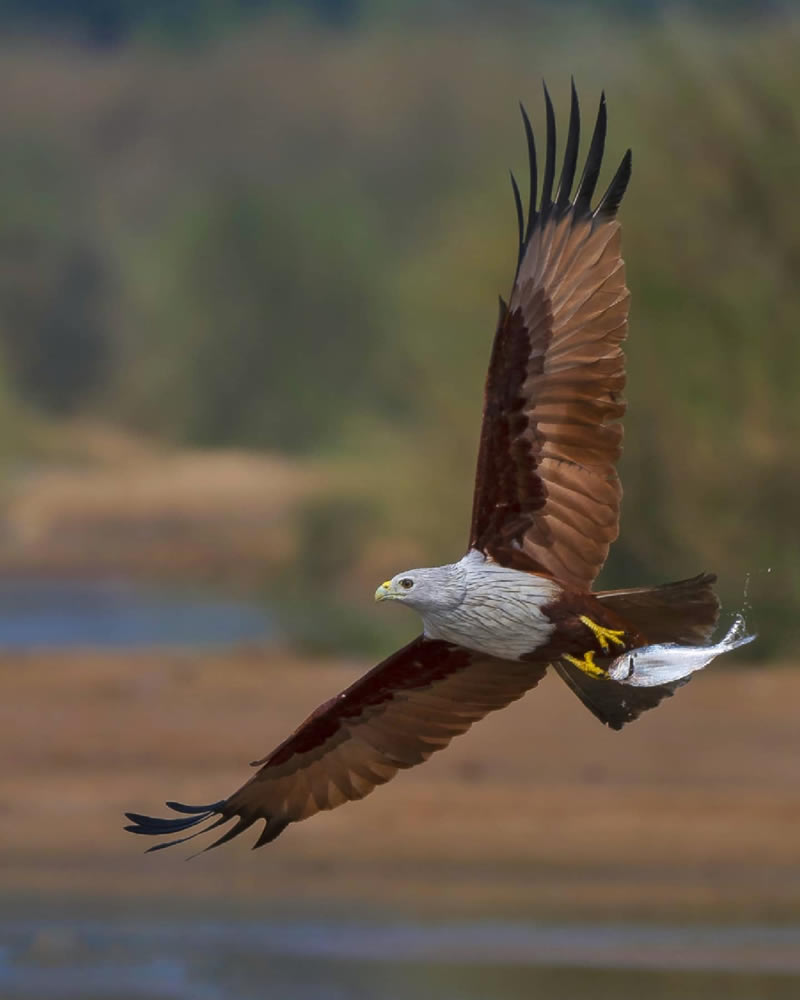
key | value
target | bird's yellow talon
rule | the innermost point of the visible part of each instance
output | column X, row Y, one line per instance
column 604, row 634
column 587, row 664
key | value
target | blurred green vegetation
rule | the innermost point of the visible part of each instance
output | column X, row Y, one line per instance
column 104, row 23
column 293, row 238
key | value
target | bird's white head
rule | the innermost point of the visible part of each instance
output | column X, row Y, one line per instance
column 437, row 588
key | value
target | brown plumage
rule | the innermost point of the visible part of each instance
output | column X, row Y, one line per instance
column 394, row 717
column 547, row 495
column 546, row 504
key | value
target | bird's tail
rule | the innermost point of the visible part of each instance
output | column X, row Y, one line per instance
column 684, row 612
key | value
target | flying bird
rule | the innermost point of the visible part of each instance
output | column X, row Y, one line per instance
column 545, row 511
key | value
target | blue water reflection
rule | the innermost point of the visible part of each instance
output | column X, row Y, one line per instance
column 195, row 960
column 69, row 613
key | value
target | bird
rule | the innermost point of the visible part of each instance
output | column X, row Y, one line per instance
column 546, row 508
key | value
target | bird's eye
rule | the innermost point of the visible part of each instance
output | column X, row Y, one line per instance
column 406, row 583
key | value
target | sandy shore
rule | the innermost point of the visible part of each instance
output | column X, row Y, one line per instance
column 692, row 812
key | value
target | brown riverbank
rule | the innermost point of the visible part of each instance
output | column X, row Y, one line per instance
column 108, row 502
column 692, row 812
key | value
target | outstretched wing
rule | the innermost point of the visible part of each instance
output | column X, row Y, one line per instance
column 393, row 717
column 547, row 495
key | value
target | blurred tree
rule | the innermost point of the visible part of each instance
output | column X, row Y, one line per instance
column 257, row 329
column 110, row 22
column 55, row 342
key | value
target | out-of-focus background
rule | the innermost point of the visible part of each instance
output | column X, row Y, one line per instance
column 249, row 258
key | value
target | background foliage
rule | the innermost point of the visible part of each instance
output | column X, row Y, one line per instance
column 112, row 22
column 293, row 240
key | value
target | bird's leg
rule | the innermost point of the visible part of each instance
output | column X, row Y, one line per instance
column 587, row 664
column 604, row 634
column 603, row 637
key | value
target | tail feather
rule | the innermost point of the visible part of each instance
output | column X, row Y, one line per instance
column 684, row 612
column 609, row 701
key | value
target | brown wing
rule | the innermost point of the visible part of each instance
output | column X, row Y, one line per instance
column 394, row 717
column 547, row 495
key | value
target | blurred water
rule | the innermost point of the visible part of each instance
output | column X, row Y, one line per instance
column 306, row 960
column 35, row 612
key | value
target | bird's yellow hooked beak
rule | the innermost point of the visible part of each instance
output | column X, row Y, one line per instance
column 384, row 591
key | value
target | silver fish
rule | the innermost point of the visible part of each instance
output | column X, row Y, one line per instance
column 650, row 666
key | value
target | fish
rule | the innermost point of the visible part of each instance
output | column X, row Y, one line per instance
column 667, row 662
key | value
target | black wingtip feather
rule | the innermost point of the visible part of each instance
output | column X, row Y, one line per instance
column 520, row 218
column 594, row 159
column 157, row 826
column 571, row 151
column 581, row 206
column 191, row 836
column 154, row 825
column 181, row 807
column 240, row 826
column 550, row 155
column 532, row 170
column 160, row 847
column 273, row 828
column 610, row 201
